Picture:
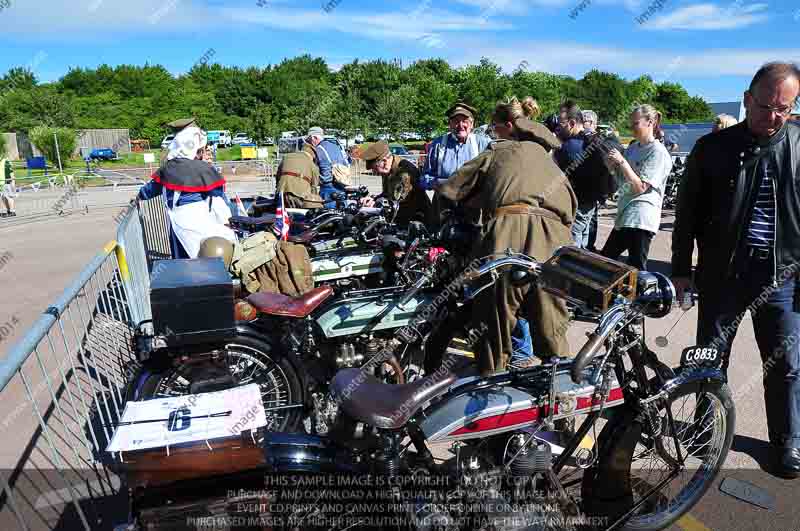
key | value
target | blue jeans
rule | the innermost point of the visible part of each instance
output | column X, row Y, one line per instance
column 325, row 191
column 582, row 224
column 592, row 238
column 521, row 341
column 776, row 323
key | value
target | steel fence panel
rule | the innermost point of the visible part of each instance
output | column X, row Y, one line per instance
column 64, row 403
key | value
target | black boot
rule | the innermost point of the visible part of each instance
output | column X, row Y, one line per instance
column 788, row 465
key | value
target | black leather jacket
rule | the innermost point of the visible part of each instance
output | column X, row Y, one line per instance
column 716, row 197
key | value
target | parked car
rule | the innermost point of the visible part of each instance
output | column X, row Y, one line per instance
column 167, row 141
column 410, row 136
column 605, row 129
column 291, row 144
column 241, row 138
column 220, row 138
column 401, row 151
column 103, row 154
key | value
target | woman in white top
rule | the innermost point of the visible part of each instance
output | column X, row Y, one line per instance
column 643, row 172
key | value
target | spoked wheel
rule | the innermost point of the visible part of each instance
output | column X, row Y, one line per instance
column 244, row 361
column 640, row 465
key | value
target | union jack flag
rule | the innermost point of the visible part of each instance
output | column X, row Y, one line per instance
column 282, row 220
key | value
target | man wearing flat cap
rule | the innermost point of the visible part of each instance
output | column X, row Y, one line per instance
column 400, row 180
column 451, row 151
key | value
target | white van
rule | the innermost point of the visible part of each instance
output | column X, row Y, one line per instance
column 220, row 138
column 167, row 141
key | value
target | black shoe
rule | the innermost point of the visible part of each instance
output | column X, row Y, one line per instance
column 12, row 214
column 788, row 463
column 3, row 214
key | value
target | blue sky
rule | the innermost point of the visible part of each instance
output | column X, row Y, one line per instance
column 712, row 48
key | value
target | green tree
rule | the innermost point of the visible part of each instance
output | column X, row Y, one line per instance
column 603, row 92
column 543, row 87
column 482, row 86
column 395, row 113
column 41, row 105
column 263, row 124
column 373, row 80
column 673, row 100
column 435, row 97
column 698, row 110
column 18, row 78
column 44, row 138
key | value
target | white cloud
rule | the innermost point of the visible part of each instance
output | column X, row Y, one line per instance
column 512, row 7
column 576, row 59
column 710, row 17
column 428, row 26
column 55, row 20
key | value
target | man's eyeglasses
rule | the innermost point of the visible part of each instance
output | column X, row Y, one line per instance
column 784, row 110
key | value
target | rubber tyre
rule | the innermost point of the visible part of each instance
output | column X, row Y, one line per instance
column 606, row 486
column 152, row 380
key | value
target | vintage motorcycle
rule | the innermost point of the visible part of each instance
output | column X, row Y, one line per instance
column 343, row 243
column 515, row 463
column 673, row 184
column 292, row 347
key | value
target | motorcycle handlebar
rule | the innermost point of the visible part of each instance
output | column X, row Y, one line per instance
column 521, row 260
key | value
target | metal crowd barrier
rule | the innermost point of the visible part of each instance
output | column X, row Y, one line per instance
column 63, row 387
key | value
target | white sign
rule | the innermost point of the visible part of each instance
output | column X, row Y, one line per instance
column 263, row 153
column 165, row 422
column 149, row 158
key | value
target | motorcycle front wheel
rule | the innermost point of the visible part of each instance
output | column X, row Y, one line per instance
column 634, row 465
column 244, row 361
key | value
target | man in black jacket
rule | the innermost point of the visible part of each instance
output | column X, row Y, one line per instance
column 740, row 200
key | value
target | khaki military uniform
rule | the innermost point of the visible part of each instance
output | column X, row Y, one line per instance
column 401, row 185
column 298, row 179
column 527, row 205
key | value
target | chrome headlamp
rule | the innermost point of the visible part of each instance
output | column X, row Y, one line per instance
column 655, row 294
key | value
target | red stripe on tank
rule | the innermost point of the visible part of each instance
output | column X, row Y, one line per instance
column 587, row 402
column 502, row 420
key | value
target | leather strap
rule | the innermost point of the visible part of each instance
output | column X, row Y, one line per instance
column 526, row 210
column 293, row 174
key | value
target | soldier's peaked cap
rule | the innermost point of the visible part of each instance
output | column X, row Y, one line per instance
column 374, row 152
column 183, row 122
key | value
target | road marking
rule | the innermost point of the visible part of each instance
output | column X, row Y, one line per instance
column 687, row 522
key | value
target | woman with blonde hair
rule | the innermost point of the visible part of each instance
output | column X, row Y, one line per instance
column 506, row 115
column 723, row 121
column 643, row 172
column 530, row 108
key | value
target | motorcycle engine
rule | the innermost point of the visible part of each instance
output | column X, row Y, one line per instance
column 360, row 350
